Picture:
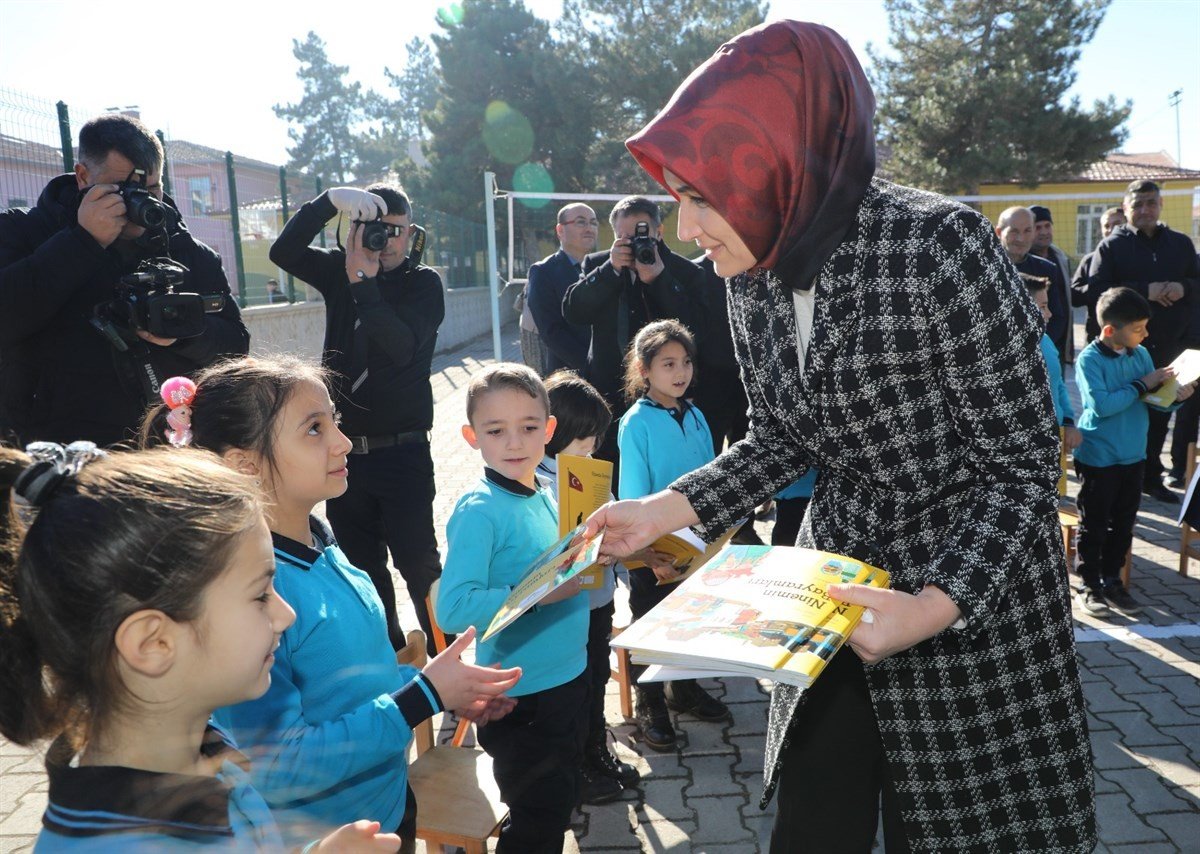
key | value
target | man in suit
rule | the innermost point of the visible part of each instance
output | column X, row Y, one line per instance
column 565, row 344
column 1015, row 228
column 617, row 295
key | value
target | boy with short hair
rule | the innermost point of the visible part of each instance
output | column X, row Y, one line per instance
column 498, row 529
column 583, row 418
column 1112, row 373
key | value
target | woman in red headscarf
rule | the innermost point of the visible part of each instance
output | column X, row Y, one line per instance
column 885, row 339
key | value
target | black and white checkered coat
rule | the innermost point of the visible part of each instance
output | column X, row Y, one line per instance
column 924, row 403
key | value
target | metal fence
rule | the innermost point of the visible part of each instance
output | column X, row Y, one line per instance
column 236, row 205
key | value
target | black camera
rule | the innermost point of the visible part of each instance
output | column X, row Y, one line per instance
column 141, row 206
column 374, row 235
column 645, row 248
column 146, row 300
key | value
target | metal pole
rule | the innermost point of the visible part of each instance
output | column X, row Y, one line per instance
column 489, row 181
column 166, row 173
column 322, row 227
column 64, row 132
column 236, row 225
column 291, row 280
column 511, row 250
column 1174, row 98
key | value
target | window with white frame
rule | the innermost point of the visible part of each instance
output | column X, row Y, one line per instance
column 1087, row 227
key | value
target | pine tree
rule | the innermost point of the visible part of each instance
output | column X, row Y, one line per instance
column 975, row 90
column 326, row 115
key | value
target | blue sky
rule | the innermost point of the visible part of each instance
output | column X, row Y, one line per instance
column 224, row 64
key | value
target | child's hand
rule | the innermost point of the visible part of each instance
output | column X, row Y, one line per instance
column 1154, row 379
column 1185, row 391
column 363, row 835
column 652, row 558
column 665, row 571
column 566, row 591
column 1072, row 438
column 461, row 685
column 492, row 710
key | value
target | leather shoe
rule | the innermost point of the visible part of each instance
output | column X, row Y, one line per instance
column 687, row 697
column 597, row 787
column 655, row 722
column 1158, row 490
column 604, row 761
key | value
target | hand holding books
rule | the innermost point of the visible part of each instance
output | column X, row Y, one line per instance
column 897, row 620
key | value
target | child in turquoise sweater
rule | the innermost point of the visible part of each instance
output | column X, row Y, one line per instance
column 498, row 529
column 661, row 437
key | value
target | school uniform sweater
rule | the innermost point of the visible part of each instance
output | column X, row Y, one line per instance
column 496, row 532
column 113, row 808
column 1063, row 412
column 659, row 445
column 1113, row 419
column 328, row 739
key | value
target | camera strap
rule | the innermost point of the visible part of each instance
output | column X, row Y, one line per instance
column 139, row 355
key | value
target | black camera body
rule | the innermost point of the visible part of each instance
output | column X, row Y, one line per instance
column 374, row 235
column 141, row 206
column 645, row 247
column 146, row 300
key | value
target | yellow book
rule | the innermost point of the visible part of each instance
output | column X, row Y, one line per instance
column 1187, row 370
column 553, row 568
column 584, row 486
column 760, row 611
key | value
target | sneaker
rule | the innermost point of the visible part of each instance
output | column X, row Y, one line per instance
column 1093, row 601
column 1158, row 490
column 597, row 787
column 655, row 721
column 1120, row 599
column 1175, row 478
column 606, row 762
column 686, row 696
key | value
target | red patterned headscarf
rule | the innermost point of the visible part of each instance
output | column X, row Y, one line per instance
column 775, row 132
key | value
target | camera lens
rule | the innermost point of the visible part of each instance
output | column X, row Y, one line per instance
column 374, row 236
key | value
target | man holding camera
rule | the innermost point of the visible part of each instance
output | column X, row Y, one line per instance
column 637, row 281
column 104, row 294
column 382, row 313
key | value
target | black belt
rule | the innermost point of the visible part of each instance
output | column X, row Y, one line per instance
column 366, row 444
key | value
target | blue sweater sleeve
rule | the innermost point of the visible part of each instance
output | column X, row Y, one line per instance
column 1095, row 393
column 633, row 441
column 1058, row 387
column 465, row 597
column 295, row 759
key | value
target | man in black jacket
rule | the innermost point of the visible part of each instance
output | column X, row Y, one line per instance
column 62, row 378
column 1081, row 292
column 382, row 313
column 616, row 296
column 1160, row 264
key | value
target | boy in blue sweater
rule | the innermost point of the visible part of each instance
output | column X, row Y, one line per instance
column 498, row 529
column 1039, row 291
column 1112, row 373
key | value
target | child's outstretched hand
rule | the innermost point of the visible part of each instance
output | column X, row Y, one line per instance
column 1185, row 391
column 467, row 687
column 563, row 591
column 363, row 835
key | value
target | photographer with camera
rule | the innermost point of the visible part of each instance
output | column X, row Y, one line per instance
column 382, row 313
column 104, row 293
column 637, row 281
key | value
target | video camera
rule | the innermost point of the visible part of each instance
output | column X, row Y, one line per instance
column 645, row 247
column 147, row 300
column 141, row 206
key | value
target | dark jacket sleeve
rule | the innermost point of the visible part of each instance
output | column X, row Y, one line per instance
column 1080, row 281
column 225, row 334
column 320, row 268
column 1060, row 313
column 401, row 331
column 37, row 280
column 547, row 310
column 1104, row 271
column 598, row 287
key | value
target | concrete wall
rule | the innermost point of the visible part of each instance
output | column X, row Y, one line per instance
column 300, row 329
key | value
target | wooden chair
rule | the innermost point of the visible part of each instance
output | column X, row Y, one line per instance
column 1068, row 521
column 621, row 675
column 1187, row 548
column 458, row 801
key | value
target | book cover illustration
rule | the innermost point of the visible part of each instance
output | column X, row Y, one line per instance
column 584, row 486
column 687, row 552
column 553, row 568
column 757, row 611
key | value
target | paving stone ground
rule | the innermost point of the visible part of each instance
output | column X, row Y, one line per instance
column 1142, row 694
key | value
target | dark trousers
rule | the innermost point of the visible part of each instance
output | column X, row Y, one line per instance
column 407, row 831
column 1109, row 497
column 1156, row 434
column 389, row 506
column 608, row 450
column 537, row 753
column 1187, row 424
column 600, row 623
column 834, row 771
column 789, row 513
column 644, row 594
